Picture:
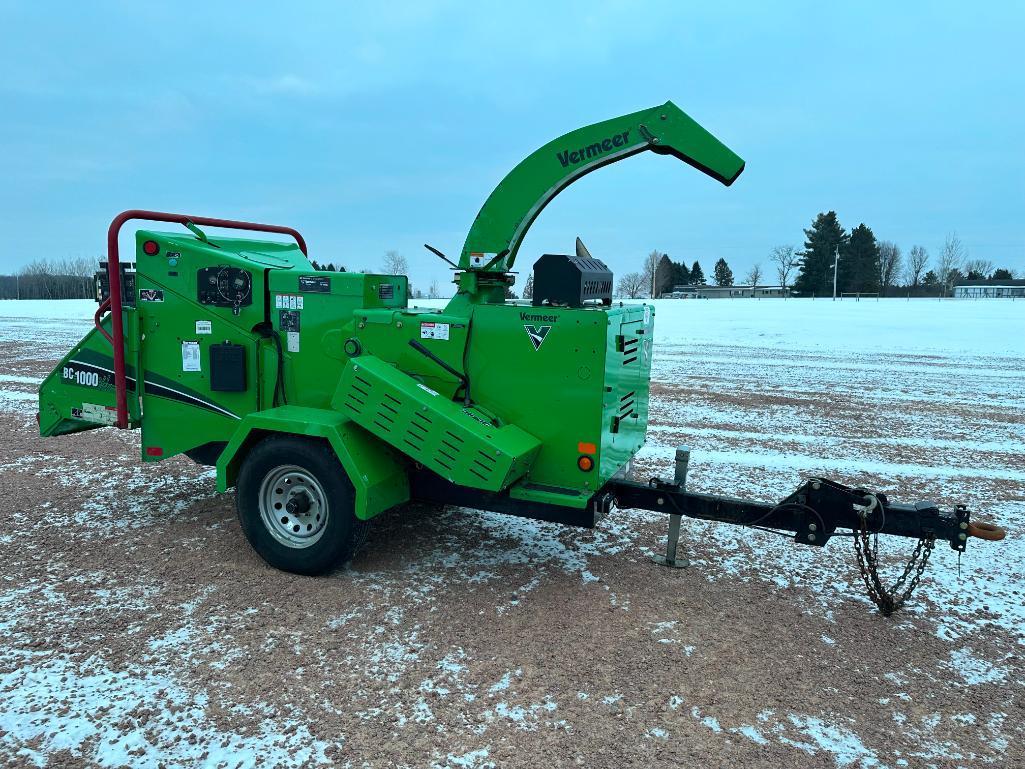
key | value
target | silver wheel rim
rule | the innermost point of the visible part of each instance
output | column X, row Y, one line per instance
column 293, row 506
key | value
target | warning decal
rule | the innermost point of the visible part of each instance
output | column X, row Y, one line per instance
column 94, row 412
column 434, row 330
column 190, row 356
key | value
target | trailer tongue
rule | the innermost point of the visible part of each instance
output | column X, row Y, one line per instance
column 324, row 399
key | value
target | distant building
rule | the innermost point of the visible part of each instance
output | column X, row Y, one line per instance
column 727, row 292
column 989, row 289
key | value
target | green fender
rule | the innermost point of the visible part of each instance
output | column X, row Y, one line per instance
column 376, row 471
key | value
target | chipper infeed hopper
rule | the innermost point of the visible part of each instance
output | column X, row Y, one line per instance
column 324, row 399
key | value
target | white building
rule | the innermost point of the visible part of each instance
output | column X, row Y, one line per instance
column 728, row 292
column 990, row 289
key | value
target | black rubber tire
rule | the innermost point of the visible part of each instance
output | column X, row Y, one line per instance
column 343, row 529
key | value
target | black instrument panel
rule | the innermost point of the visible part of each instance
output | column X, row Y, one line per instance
column 224, row 287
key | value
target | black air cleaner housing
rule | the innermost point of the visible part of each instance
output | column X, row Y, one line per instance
column 570, row 281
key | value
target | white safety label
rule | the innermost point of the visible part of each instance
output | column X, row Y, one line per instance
column 288, row 302
column 293, row 341
column 97, row 413
column 190, row 356
column 434, row 330
column 204, row 327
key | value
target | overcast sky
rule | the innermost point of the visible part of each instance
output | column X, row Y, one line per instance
column 381, row 129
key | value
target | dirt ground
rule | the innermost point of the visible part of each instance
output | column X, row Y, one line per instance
column 139, row 629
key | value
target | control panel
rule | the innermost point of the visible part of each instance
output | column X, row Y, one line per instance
column 224, row 287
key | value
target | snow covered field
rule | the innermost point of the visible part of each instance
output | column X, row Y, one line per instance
column 139, row 628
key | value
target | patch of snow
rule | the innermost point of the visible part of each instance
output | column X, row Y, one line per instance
column 475, row 759
column 133, row 717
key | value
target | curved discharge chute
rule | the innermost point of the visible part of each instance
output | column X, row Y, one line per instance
column 516, row 202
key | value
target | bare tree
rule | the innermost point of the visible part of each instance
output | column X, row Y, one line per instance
column 395, row 263
column 432, row 292
column 80, row 266
column 632, row 285
column 785, row 258
column 55, row 279
column 952, row 256
column 918, row 257
column 889, row 264
column 39, row 275
column 649, row 271
column 980, row 267
column 754, row 275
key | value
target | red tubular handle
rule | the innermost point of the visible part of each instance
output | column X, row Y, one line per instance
column 104, row 306
column 113, row 302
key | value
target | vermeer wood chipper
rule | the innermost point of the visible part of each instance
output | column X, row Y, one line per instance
column 324, row 399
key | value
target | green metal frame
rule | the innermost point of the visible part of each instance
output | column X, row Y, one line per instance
column 377, row 472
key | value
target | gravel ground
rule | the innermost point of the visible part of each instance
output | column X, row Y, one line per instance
column 139, row 629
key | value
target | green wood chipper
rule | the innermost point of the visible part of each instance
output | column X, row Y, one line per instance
column 324, row 399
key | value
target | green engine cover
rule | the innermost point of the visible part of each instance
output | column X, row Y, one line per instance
column 460, row 444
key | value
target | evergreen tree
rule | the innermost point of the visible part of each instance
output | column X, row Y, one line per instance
column 681, row 275
column 930, row 279
column 821, row 242
column 722, row 273
column 315, row 265
column 1001, row 274
column 697, row 276
column 663, row 276
column 859, row 262
column 528, row 287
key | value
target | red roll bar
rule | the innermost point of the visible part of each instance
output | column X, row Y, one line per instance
column 113, row 302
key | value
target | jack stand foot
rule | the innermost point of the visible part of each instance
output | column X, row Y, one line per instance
column 678, row 563
column 670, row 559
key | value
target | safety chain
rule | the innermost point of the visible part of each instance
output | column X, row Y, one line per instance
column 888, row 600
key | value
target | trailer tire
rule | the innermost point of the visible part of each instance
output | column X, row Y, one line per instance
column 297, row 506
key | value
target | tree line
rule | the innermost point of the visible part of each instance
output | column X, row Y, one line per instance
column 870, row 266
column 51, row 279
column 866, row 266
column 73, row 278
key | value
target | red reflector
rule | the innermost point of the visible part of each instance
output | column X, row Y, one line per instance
column 151, row 247
column 585, row 463
column 587, row 448
column 154, row 451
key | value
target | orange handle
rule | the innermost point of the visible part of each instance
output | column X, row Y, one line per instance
column 987, row 531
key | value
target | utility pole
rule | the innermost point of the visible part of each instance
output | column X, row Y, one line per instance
column 836, row 268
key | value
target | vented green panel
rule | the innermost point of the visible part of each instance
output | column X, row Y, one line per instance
column 458, row 443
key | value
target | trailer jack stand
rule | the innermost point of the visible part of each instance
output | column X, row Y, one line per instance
column 671, row 558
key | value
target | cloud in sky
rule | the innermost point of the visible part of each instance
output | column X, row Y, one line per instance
column 378, row 128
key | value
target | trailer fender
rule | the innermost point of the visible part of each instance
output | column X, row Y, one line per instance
column 376, row 471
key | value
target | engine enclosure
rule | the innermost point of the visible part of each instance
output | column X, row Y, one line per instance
column 571, row 281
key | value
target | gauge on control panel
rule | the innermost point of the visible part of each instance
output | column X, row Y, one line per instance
column 225, row 287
